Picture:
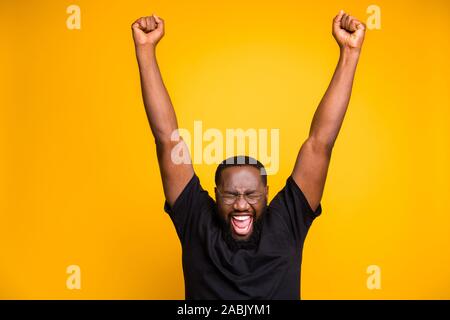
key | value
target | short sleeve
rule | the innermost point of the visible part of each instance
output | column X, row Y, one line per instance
column 186, row 212
column 291, row 205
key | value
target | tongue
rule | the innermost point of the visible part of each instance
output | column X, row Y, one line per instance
column 242, row 227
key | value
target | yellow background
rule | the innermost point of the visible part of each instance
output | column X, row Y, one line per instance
column 79, row 178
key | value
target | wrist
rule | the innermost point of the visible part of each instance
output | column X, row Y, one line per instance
column 145, row 54
column 349, row 55
column 350, row 51
column 145, row 49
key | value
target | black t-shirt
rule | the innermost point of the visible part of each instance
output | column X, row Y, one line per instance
column 270, row 271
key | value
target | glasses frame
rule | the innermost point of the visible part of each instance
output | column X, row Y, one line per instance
column 244, row 195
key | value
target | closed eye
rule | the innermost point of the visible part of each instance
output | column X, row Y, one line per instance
column 248, row 193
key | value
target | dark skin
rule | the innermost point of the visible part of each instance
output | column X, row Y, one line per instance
column 311, row 166
column 241, row 180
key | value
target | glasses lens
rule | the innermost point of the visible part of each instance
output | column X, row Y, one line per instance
column 250, row 198
column 253, row 198
column 229, row 199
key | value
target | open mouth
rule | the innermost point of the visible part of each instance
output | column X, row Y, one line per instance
column 242, row 224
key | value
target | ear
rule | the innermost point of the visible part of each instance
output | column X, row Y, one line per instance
column 267, row 193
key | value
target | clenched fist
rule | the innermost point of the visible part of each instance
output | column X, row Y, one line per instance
column 348, row 31
column 148, row 30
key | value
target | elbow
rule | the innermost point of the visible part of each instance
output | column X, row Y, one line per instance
column 165, row 141
column 168, row 140
column 165, row 136
column 321, row 145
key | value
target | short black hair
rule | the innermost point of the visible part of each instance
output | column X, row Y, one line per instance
column 239, row 161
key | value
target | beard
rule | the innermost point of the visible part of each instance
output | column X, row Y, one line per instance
column 251, row 242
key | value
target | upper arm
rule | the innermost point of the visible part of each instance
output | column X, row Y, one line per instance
column 310, row 170
column 174, row 175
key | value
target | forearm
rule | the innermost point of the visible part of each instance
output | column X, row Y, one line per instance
column 159, row 109
column 330, row 113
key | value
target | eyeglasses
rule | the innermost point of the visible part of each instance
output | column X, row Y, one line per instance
column 231, row 198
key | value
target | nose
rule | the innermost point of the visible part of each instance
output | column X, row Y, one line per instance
column 241, row 204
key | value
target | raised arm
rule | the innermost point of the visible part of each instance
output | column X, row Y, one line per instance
column 147, row 31
column 312, row 163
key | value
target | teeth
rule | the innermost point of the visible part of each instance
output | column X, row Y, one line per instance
column 241, row 218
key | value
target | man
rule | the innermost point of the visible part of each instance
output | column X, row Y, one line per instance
column 241, row 247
